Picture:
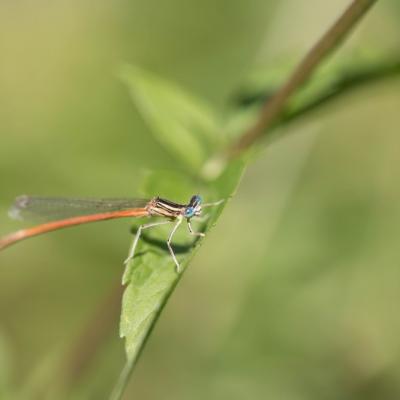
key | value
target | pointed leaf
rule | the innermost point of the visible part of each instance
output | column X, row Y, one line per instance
column 151, row 276
column 181, row 123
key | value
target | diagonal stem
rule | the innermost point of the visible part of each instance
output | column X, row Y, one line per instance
column 273, row 108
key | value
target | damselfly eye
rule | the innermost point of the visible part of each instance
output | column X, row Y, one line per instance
column 195, row 201
column 189, row 212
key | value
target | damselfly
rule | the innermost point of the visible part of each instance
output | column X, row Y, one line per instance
column 64, row 212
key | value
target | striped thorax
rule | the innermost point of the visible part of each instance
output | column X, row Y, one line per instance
column 169, row 209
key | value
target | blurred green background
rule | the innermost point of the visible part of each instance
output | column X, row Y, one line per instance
column 294, row 295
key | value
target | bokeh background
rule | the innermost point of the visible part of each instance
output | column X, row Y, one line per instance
column 294, row 295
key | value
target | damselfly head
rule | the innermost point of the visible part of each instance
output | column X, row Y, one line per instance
column 193, row 209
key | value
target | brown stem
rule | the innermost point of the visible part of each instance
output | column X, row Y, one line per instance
column 328, row 42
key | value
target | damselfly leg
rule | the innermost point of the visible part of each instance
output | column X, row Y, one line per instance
column 177, row 221
column 215, row 203
column 171, row 250
column 192, row 232
column 137, row 236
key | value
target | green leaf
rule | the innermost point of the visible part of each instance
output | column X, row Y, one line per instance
column 167, row 184
column 331, row 82
column 339, row 79
column 184, row 125
column 151, row 277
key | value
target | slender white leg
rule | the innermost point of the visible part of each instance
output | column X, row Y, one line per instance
column 215, row 203
column 138, row 233
column 178, row 222
column 192, row 232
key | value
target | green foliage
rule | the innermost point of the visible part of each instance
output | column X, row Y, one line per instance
column 331, row 82
column 183, row 124
column 302, row 298
column 151, row 276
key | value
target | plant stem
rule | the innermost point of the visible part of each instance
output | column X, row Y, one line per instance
column 273, row 108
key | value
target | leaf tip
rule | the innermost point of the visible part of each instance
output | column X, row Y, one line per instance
column 213, row 167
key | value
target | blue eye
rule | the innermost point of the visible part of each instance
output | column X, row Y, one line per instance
column 189, row 212
column 195, row 200
column 198, row 200
column 193, row 208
